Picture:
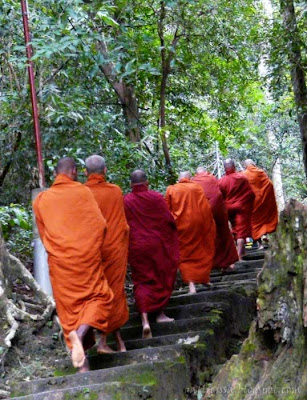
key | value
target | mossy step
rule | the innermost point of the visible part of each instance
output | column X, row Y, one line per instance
column 177, row 326
column 182, row 311
column 235, row 277
column 254, row 255
column 147, row 354
column 197, row 336
column 206, row 295
column 102, row 391
column 167, row 374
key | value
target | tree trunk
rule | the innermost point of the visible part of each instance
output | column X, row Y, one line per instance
column 277, row 173
column 125, row 95
column 166, row 59
column 293, row 46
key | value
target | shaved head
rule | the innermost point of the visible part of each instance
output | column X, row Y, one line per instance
column 67, row 166
column 95, row 164
column 229, row 164
column 138, row 176
column 200, row 170
column 184, row 174
column 248, row 162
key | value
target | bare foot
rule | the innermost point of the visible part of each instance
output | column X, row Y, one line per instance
column 231, row 268
column 120, row 343
column 147, row 332
column 85, row 367
column 192, row 288
column 164, row 318
column 77, row 353
column 104, row 349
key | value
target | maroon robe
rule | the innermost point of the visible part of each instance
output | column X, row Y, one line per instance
column 239, row 200
column 225, row 249
column 153, row 248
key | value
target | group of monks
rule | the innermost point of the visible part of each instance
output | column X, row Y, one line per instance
column 91, row 232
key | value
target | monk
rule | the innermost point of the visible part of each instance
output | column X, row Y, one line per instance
column 225, row 250
column 265, row 214
column 109, row 198
column 239, row 200
column 153, row 250
column 196, row 229
column 72, row 229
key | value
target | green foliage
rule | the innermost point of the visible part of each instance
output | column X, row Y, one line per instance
column 214, row 91
column 16, row 223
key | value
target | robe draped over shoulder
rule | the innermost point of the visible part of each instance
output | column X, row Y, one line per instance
column 196, row 229
column 109, row 198
column 225, row 249
column 265, row 214
column 72, row 229
column 153, row 248
column 239, row 201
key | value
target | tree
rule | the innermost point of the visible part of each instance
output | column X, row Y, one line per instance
column 293, row 46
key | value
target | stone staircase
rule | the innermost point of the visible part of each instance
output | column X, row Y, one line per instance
column 209, row 327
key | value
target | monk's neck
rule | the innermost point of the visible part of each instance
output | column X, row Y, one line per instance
column 140, row 187
column 230, row 171
column 96, row 178
column 184, row 180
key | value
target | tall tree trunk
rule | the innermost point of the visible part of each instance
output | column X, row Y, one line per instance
column 125, row 95
column 277, row 173
column 297, row 71
column 166, row 58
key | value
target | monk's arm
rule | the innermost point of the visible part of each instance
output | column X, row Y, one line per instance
column 222, row 189
column 168, row 199
column 39, row 222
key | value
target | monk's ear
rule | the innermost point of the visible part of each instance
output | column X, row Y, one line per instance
column 85, row 172
column 105, row 170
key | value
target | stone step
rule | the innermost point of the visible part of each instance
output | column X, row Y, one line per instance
column 219, row 293
column 177, row 326
column 167, row 379
column 254, row 255
column 235, row 277
column 146, row 354
column 197, row 336
column 182, row 311
column 102, row 391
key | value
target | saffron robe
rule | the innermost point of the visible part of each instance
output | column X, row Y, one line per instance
column 225, row 249
column 196, row 229
column 265, row 214
column 153, row 248
column 72, row 229
column 109, row 198
column 239, row 200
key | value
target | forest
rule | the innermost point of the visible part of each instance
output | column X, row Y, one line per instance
column 162, row 85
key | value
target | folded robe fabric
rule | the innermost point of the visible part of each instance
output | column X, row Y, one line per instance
column 72, row 229
column 239, row 200
column 153, row 248
column 196, row 229
column 109, row 198
column 225, row 249
column 265, row 214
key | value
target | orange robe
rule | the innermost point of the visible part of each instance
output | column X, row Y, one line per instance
column 115, row 248
column 225, row 249
column 72, row 229
column 196, row 228
column 265, row 214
